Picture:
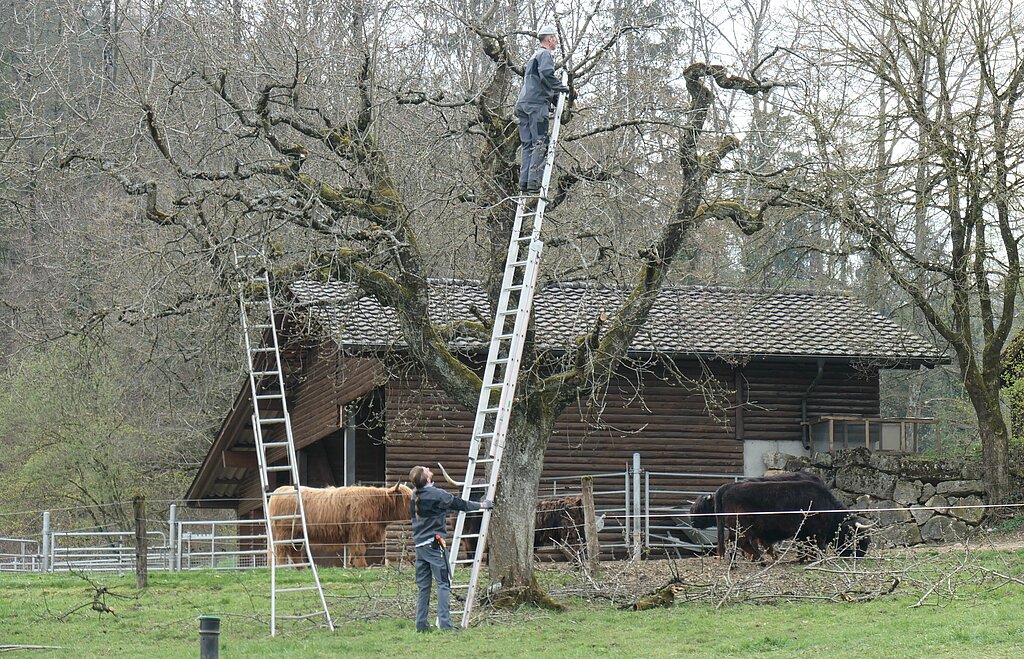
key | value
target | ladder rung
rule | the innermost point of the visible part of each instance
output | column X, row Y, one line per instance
column 482, row 460
column 273, row 420
column 262, row 373
column 292, row 541
column 261, row 326
column 470, row 535
column 296, row 589
column 282, row 493
column 296, row 565
column 299, row 616
column 286, row 517
column 268, row 396
column 267, row 445
column 461, row 561
column 280, row 468
column 271, row 349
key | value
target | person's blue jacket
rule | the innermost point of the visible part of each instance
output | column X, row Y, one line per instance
column 429, row 507
column 540, row 84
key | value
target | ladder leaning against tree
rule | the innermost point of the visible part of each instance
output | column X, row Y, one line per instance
column 508, row 336
column 276, row 454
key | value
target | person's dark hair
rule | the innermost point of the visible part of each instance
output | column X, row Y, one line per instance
column 418, row 476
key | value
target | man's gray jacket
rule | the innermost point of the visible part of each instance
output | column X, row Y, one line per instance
column 540, row 84
column 429, row 507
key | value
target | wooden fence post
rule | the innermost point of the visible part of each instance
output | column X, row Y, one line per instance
column 141, row 565
column 590, row 524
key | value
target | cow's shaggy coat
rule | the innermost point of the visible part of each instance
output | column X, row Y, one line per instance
column 337, row 517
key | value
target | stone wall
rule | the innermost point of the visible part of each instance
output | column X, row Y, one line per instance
column 862, row 479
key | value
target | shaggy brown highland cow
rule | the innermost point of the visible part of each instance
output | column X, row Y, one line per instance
column 352, row 517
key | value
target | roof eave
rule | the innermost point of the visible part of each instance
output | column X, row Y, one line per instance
column 208, row 469
column 904, row 361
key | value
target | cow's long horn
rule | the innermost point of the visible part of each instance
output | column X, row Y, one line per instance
column 449, row 478
column 860, row 526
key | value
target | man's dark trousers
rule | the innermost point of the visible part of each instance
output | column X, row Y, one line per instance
column 432, row 566
column 533, row 133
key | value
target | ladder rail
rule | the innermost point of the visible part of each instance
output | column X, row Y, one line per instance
column 283, row 418
column 492, row 418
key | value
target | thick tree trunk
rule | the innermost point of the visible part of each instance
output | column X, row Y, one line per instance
column 510, row 540
column 995, row 449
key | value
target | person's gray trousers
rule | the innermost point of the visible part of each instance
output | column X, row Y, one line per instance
column 432, row 566
column 533, row 133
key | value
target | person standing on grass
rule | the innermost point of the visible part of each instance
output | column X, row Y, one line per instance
column 429, row 507
column 540, row 89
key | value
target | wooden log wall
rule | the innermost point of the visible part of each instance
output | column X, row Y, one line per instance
column 773, row 393
column 677, row 428
column 329, row 381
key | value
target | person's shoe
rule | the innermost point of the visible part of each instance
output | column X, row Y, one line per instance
column 425, row 630
column 533, row 189
column 451, row 629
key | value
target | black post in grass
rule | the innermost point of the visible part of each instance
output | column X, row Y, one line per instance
column 209, row 637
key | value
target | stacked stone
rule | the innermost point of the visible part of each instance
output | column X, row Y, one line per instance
column 924, row 490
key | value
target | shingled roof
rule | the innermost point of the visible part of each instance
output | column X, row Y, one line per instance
column 732, row 323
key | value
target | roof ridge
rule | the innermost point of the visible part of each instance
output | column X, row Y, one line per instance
column 575, row 284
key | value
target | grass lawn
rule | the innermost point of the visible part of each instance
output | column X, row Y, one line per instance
column 971, row 614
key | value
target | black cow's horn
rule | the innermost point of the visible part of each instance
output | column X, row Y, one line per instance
column 860, row 526
column 449, row 478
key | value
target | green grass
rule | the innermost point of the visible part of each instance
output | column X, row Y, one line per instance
column 374, row 611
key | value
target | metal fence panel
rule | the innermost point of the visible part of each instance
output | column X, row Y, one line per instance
column 19, row 555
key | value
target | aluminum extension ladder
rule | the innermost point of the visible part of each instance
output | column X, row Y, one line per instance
column 270, row 409
column 501, row 372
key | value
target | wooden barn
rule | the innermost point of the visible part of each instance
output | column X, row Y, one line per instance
column 716, row 378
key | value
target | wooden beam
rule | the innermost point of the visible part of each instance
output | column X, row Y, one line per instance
column 235, row 459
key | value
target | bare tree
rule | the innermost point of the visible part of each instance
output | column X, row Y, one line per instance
column 936, row 200
column 361, row 149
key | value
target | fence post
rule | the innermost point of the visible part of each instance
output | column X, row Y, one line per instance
column 627, row 516
column 141, row 558
column 590, row 524
column 46, row 541
column 647, row 510
column 172, row 539
column 636, row 528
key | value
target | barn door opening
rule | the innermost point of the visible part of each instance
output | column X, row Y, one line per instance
column 367, row 448
column 355, row 453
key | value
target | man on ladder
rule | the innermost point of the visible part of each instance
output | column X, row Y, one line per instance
column 540, row 88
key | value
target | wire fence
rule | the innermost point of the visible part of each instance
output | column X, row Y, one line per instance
column 639, row 512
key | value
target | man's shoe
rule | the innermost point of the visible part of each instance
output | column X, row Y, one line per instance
column 533, row 189
column 425, row 630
